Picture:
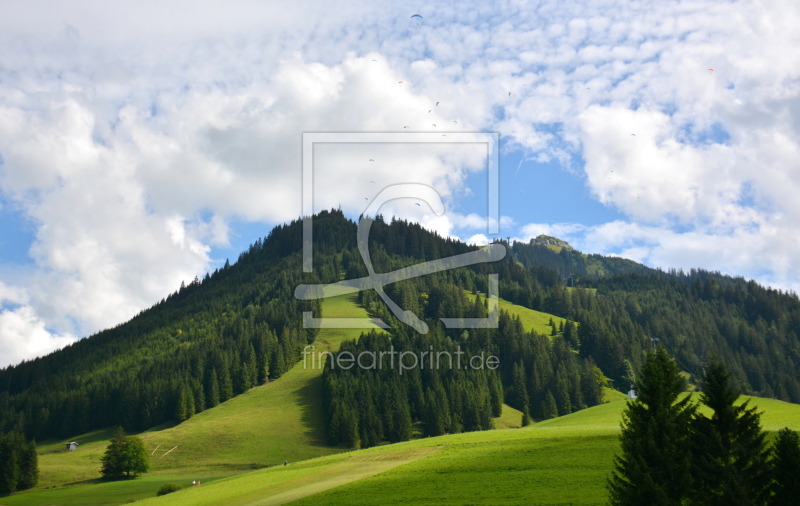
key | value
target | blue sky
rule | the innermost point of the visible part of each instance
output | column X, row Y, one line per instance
column 142, row 144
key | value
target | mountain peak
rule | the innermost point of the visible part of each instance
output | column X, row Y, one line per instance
column 546, row 240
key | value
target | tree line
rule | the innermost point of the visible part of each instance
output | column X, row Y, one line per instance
column 19, row 463
column 540, row 375
column 241, row 325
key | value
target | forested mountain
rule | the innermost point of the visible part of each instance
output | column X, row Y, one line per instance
column 241, row 325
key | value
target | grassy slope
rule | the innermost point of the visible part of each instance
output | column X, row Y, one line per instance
column 271, row 423
column 561, row 461
column 531, row 320
column 279, row 421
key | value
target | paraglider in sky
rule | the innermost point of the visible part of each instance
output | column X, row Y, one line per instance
column 405, row 127
column 418, row 204
column 456, row 122
column 417, row 19
column 434, row 125
column 374, row 61
column 437, row 104
column 509, row 93
column 399, row 82
column 372, row 182
column 371, row 160
column 365, row 198
column 712, row 70
column 633, row 135
column 444, row 135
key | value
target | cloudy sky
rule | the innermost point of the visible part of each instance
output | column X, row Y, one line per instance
column 143, row 143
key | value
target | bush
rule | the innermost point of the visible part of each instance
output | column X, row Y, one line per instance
column 168, row 489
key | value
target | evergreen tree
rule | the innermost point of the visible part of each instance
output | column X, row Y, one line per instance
column 526, row 418
column 28, row 466
column 549, row 408
column 730, row 452
column 519, row 392
column 655, row 465
column 225, row 383
column 113, row 458
column 212, row 391
column 496, row 395
column 434, row 418
column 19, row 463
column 785, row 469
column 9, row 463
column 182, row 405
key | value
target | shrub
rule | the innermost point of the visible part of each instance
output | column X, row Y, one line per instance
column 168, row 489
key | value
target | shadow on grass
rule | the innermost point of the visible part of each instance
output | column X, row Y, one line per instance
column 312, row 416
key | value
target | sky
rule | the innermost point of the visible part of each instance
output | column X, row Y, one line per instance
column 144, row 143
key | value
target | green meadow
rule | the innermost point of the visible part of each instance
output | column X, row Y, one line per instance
column 237, row 449
column 531, row 319
column 560, row 461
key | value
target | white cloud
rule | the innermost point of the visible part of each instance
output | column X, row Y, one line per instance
column 131, row 135
column 24, row 336
column 478, row 240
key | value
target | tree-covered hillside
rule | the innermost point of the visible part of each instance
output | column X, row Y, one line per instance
column 241, row 325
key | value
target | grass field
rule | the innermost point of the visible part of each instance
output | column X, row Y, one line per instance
column 271, row 423
column 233, row 450
column 561, row 461
column 279, row 421
column 531, row 320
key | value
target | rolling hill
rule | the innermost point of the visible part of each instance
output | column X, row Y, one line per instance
column 209, row 377
column 561, row 461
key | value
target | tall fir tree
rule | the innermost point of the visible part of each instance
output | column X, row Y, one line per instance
column 549, row 408
column 655, row 465
column 113, row 458
column 730, row 450
column 785, row 465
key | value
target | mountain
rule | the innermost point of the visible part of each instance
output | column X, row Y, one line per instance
column 241, row 326
column 546, row 240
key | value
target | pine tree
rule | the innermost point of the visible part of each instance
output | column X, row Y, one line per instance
column 113, row 458
column 9, row 463
column 225, row 383
column 519, row 392
column 549, row 408
column 785, row 466
column 181, row 405
column 526, row 418
column 212, row 390
column 434, row 418
column 655, row 465
column 730, row 452
column 28, row 466
column 496, row 395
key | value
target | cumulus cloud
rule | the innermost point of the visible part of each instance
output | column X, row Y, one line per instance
column 24, row 336
column 131, row 136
